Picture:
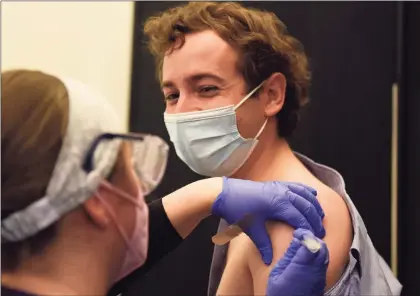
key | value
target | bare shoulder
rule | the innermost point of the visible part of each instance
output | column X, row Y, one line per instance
column 339, row 236
column 339, row 231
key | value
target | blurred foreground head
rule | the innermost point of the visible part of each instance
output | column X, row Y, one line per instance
column 70, row 178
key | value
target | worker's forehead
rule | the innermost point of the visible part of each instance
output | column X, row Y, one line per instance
column 203, row 51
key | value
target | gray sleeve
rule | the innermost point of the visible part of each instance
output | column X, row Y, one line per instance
column 349, row 283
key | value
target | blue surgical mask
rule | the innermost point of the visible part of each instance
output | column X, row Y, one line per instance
column 209, row 141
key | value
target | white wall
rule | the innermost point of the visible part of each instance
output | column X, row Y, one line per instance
column 90, row 41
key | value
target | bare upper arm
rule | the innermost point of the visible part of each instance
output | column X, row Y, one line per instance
column 245, row 272
column 236, row 278
column 338, row 226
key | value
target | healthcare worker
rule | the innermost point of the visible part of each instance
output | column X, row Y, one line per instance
column 74, row 218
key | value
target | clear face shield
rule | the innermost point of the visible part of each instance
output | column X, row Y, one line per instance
column 149, row 156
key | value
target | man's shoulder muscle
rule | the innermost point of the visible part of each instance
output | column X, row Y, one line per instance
column 337, row 223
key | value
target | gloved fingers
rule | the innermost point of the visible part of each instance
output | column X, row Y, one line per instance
column 305, row 255
column 259, row 235
column 306, row 187
column 309, row 213
column 282, row 264
column 291, row 250
column 291, row 215
column 308, row 193
column 300, row 233
column 323, row 256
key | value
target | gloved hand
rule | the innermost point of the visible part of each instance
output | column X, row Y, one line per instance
column 300, row 272
column 292, row 203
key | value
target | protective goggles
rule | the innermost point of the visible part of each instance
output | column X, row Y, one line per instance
column 149, row 156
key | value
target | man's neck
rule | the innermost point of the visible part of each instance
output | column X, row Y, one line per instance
column 264, row 162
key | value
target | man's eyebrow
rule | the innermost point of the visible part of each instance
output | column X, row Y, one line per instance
column 167, row 84
column 195, row 78
column 200, row 76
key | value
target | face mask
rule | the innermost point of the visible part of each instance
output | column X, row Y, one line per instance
column 137, row 244
column 209, row 141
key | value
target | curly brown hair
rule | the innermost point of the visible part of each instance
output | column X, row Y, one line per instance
column 260, row 38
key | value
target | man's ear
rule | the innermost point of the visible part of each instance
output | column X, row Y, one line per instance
column 275, row 89
column 97, row 212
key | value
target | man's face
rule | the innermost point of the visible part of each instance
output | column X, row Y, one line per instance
column 203, row 75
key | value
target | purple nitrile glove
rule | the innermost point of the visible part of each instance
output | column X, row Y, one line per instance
column 292, row 203
column 301, row 272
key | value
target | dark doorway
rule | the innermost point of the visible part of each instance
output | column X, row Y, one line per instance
column 409, row 166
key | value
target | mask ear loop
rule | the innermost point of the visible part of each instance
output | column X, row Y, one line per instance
column 153, row 182
column 114, row 218
column 123, row 194
column 261, row 129
column 248, row 96
column 243, row 101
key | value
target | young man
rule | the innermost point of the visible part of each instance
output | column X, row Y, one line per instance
column 233, row 81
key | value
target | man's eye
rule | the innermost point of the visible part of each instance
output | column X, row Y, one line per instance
column 208, row 90
column 171, row 97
